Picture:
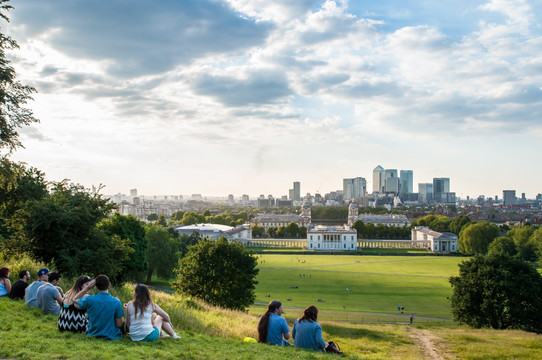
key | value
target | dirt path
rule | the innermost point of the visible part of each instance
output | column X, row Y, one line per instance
column 426, row 341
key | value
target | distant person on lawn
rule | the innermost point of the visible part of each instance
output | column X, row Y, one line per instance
column 49, row 297
column 31, row 292
column 70, row 317
column 5, row 284
column 105, row 313
column 307, row 333
column 144, row 319
column 272, row 327
column 17, row 290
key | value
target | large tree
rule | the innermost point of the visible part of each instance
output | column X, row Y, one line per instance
column 220, row 273
column 162, row 253
column 497, row 291
column 475, row 238
column 131, row 229
column 13, row 94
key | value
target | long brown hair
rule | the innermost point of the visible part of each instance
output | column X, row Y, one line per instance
column 142, row 298
column 4, row 273
column 263, row 324
column 76, row 288
column 310, row 314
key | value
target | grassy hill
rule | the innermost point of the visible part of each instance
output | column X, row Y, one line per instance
column 211, row 333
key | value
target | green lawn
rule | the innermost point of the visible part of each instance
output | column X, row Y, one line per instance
column 378, row 284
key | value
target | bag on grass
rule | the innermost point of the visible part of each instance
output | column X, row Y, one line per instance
column 333, row 347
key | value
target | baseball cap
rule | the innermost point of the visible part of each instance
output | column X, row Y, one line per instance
column 43, row 271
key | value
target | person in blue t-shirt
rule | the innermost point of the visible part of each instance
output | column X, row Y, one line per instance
column 272, row 327
column 307, row 333
column 105, row 313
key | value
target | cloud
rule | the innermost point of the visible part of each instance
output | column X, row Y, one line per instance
column 136, row 37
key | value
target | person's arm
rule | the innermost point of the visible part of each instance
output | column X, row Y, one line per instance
column 119, row 315
column 294, row 330
column 7, row 284
column 60, row 290
column 59, row 299
column 128, row 311
column 158, row 310
column 82, row 293
column 285, row 330
column 319, row 338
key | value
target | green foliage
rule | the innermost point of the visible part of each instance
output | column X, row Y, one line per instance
column 329, row 212
column 131, row 229
column 13, row 94
column 220, row 273
column 369, row 231
column 152, row 217
column 292, row 230
column 526, row 248
column 162, row 253
column 192, row 217
column 18, row 262
column 497, row 291
column 185, row 241
column 257, row 231
column 439, row 223
column 458, row 223
column 502, row 246
column 476, row 237
column 162, row 221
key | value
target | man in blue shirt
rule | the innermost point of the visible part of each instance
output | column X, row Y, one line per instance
column 105, row 313
column 31, row 291
column 278, row 327
column 49, row 298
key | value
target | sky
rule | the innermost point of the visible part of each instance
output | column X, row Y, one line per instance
column 221, row 97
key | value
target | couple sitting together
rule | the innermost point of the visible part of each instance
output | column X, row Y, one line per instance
column 306, row 332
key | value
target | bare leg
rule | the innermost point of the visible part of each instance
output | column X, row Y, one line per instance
column 157, row 321
column 168, row 327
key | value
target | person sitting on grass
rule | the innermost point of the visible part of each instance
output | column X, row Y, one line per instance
column 71, row 318
column 31, row 292
column 144, row 319
column 49, row 297
column 307, row 333
column 105, row 313
column 5, row 284
column 17, row 290
column 272, row 327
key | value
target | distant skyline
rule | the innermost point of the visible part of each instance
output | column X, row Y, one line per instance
column 248, row 96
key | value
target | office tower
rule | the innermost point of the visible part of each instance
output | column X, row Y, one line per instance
column 440, row 187
column 133, row 192
column 393, row 184
column 291, row 194
column 509, row 197
column 354, row 188
column 231, row 200
column 377, row 179
column 406, row 180
column 297, row 191
column 425, row 193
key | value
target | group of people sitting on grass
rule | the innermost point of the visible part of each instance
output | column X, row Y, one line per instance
column 100, row 315
column 306, row 332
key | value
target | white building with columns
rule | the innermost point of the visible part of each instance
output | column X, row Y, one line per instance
column 439, row 242
column 332, row 238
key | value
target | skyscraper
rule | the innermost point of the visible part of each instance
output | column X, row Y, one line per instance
column 425, row 193
column 390, row 181
column 440, row 187
column 509, row 197
column 354, row 188
column 297, row 191
column 377, row 179
column 406, row 179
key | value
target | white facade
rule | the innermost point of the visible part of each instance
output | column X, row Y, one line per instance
column 439, row 242
column 331, row 238
column 215, row 231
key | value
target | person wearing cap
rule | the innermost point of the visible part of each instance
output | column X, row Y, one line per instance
column 31, row 292
column 17, row 290
column 49, row 298
column 272, row 327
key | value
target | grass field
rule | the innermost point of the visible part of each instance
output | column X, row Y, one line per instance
column 378, row 285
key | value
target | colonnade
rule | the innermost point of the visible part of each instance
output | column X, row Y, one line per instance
column 361, row 243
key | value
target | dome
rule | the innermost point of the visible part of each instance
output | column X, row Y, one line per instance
column 353, row 204
column 306, row 205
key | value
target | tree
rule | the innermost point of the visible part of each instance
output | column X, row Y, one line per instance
column 63, row 226
column 152, row 217
column 497, row 291
column 503, row 246
column 292, row 229
column 220, row 273
column 457, row 224
column 360, row 228
column 13, row 94
column 130, row 228
column 257, row 231
column 521, row 236
column 162, row 221
column 162, row 252
column 475, row 238
column 185, row 241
